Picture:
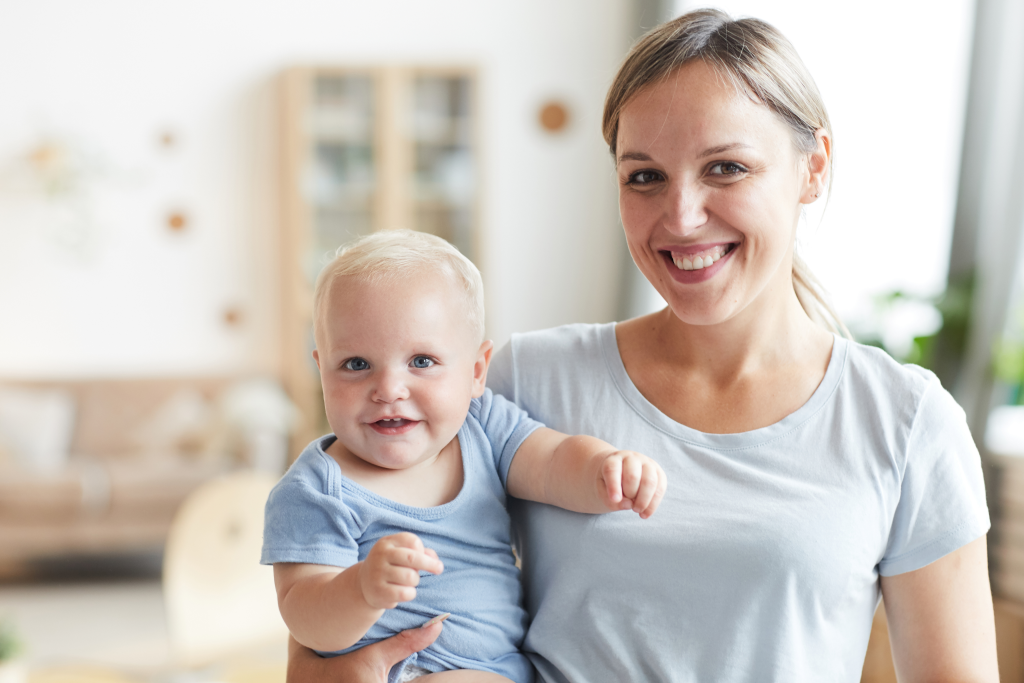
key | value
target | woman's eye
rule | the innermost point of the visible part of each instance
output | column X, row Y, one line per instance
column 422, row 362
column 641, row 178
column 727, row 168
column 355, row 364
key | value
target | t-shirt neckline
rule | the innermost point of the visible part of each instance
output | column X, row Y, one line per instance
column 659, row 420
column 380, row 501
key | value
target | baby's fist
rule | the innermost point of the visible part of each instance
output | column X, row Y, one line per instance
column 632, row 481
column 391, row 571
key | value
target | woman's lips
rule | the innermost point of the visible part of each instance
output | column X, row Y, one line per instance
column 698, row 265
column 392, row 427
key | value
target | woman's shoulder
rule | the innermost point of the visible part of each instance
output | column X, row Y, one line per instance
column 898, row 389
column 544, row 359
column 874, row 364
column 566, row 339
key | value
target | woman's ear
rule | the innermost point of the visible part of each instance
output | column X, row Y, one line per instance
column 483, row 361
column 818, row 167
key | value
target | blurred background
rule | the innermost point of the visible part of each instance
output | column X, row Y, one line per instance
column 174, row 175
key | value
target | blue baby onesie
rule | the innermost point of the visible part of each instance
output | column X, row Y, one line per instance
column 315, row 515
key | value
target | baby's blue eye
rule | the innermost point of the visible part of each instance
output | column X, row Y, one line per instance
column 356, row 364
column 422, row 362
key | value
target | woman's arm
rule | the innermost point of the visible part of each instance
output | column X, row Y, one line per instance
column 941, row 623
column 370, row 664
column 584, row 474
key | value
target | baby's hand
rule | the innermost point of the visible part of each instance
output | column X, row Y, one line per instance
column 631, row 481
column 391, row 571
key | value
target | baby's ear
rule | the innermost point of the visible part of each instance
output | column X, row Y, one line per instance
column 483, row 361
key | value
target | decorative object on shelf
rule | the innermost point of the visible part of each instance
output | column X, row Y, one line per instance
column 553, row 117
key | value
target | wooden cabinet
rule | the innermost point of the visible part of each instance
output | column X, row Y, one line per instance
column 367, row 149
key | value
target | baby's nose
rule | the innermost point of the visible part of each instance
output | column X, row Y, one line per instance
column 390, row 387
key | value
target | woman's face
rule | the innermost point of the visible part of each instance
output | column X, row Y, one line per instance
column 710, row 189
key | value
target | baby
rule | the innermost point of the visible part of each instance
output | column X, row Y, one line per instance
column 398, row 517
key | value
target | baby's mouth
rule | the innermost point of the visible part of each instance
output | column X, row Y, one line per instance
column 392, row 423
column 701, row 259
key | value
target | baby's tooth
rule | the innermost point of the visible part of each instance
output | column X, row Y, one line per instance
column 687, row 264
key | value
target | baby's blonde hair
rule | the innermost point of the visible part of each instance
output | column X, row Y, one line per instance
column 389, row 255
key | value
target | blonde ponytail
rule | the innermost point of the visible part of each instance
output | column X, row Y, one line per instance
column 812, row 297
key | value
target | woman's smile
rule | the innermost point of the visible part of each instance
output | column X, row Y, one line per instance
column 699, row 263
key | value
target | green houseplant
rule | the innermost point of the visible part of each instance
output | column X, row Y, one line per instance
column 12, row 667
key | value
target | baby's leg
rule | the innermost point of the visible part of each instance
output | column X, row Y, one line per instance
column 463, row 676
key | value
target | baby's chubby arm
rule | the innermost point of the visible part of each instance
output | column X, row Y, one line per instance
column 329, row 608
column 584, row 474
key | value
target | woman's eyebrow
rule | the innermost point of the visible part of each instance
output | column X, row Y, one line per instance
column 634, row 156
column 710, row 151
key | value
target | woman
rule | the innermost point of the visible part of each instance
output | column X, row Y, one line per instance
column 808, row 473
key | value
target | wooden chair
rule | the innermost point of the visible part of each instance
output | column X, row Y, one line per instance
column 220, row 601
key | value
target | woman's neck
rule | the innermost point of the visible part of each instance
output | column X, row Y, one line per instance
column 740, row 374
column 779, row 333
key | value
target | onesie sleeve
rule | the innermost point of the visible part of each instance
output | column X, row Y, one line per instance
column 506, row 426
column 304, row 522
column 942, row 496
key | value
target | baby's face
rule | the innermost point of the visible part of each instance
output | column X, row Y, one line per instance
column 399, row 365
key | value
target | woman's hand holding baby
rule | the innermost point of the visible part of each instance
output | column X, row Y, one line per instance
column 631, row 481
column 391, row 571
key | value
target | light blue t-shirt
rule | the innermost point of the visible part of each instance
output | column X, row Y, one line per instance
column 763, row 561
column 316, row 515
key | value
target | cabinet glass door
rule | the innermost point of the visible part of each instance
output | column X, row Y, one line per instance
column 341, row 178
column 443, row 182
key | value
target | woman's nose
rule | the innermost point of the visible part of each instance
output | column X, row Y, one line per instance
column 686, row 210
column 390, row 387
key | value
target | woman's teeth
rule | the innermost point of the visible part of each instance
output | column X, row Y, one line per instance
column 697, row 262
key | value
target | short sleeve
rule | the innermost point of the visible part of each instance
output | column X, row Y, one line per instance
column 304, row 524
column 506, row 426
column 942, row 503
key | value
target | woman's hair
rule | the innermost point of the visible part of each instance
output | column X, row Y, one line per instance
column 390, row 255
column 760, row 62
